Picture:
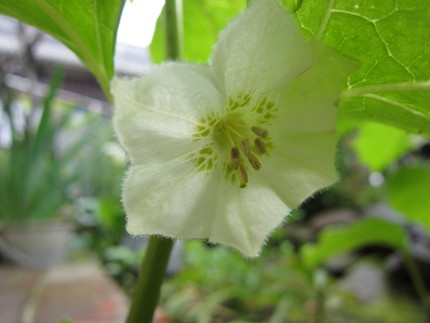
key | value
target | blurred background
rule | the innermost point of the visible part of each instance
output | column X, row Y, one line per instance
column 356, row 252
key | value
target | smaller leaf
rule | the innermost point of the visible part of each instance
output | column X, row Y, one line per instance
column 337, row 240
column 378, row 145
column 408, row 191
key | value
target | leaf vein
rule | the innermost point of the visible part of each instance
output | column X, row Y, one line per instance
column 374, row 22
column 387, row 87
column 326, row 18
column 398, row 104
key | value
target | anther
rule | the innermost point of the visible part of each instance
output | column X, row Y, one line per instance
column 243, row 176
column 246, row 148
column 246, row 99
column 235, row 158
column 260, row 146
column 253, row 160
column 259, row 131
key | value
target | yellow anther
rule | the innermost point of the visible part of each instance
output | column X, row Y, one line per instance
column 246, row 148
column 243, row 176
column 253, row 160
column 260, row 146
column 259, row 131
column 235, row 158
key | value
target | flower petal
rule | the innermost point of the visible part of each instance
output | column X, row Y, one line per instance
column 156, row 115
column 260, row 50
column 308, row 104
column 172, row 199
column 247, row 216
column 164, row 198
column 300, row 165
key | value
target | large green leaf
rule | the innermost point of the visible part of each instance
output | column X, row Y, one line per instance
column 391, row 40
column 408, row 191
column 369, row 231
column 87, row 27
column 202, row 21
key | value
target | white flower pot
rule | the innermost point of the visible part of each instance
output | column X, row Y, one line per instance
column 37, row 246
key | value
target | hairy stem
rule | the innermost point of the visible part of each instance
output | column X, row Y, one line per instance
column 173, row 30
column 147, row 292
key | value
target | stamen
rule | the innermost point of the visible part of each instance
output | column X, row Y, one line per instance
column 253, row 160
column 246, row 148
column 260, row 146
column 235, row 158
column 243, row 176
column 259, row 131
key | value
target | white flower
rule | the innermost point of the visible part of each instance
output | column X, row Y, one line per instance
column 224, row 152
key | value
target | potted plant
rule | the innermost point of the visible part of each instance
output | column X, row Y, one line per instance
column 34, row 177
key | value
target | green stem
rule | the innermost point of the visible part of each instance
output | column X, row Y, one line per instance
column 320, row 281
column 173, row 30
column 147, row 292
column 248, row 3
column 417, row 282
column 320, row 303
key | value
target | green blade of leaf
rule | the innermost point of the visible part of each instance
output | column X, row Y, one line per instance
column 390, row 40
column 334, row 241
column 44, row 136
column 87, row 27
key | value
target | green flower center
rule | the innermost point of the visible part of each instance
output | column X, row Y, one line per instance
column 239, row 136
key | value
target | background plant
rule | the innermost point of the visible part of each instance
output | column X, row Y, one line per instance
column 35, row 171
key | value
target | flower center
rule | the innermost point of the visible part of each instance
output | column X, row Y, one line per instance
column 239, row 135
column 245, row 144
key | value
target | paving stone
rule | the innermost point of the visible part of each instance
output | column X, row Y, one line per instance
column 15, row 287
column 83, row 293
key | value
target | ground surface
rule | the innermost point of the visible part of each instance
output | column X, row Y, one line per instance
column 81, row 292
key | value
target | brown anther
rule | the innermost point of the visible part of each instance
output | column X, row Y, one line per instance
column 259, row 131
column 246, row 148
column 255, row 163
column 243, row 176
column 235, row 158
column 260, row 146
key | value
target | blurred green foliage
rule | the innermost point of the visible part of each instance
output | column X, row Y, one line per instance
column 36, row 170
column 369, row 231
column 378, row 145
column 219, row 285
column 99, row 211
column 408, row 190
